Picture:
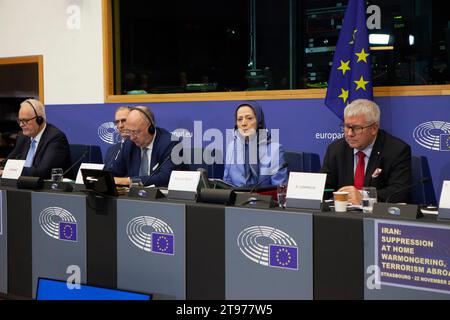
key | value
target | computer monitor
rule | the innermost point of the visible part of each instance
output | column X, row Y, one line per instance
column 99, row 181
column 50, row 289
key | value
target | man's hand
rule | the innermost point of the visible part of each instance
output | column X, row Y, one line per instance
column 1, row 172
column 354, row 196
column 122, row 181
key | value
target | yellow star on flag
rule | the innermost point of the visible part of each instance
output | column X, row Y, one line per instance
column 362, row 56
column 344, row 95
column 344, row 67
column 361, row 84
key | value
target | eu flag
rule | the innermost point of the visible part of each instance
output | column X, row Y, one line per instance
column 445, row 142
column 68, row 231
column 351, row 74
column 162, row 243
column 283, row 257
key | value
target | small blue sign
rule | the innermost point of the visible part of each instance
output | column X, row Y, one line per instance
column 283, row 257
column 163, row 243
column 68, row 231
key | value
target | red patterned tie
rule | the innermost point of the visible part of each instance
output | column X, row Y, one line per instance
column 359, row 172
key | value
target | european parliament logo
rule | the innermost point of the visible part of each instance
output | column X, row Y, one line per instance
column 58, row 223
column 269, row 247
column 152, row 235
column 433, row 135
column 108, row 133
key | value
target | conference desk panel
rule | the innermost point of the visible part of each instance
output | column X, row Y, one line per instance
column 58, row 237
column 151, row 247
column 268, row 254
column 406, row 259
column 19, row 243
column 336, row 252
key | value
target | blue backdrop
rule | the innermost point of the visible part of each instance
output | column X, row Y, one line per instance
column 305, row 125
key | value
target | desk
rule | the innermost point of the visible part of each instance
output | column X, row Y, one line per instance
column 207, row 251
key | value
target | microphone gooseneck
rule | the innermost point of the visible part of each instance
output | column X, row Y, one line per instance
column 76, row 162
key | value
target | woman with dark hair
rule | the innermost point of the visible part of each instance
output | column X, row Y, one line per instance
column 252, row 156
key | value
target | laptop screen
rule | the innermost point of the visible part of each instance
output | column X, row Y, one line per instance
column 49, row 289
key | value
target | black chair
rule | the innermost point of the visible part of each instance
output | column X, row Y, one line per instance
column 302, row 161
column 422, row 193
column 80, row 153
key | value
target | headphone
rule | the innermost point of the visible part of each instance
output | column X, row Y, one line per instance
column 151, row 129
column 39, row 119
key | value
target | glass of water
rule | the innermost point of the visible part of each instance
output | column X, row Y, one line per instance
column 281, row 195
column 368, row 198
column 57, row 174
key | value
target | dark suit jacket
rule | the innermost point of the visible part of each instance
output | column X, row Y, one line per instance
column 52, row 152
column 129, row 160
column 390, row 154
column 110, row 156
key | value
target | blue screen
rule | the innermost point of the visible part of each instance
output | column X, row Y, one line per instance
column 58, row 290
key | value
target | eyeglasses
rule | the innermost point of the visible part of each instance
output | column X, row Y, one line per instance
column 25, row 121
column 355, row 129
column 134, row 133
column 116, row 122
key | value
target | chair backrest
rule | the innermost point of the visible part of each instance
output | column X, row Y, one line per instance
column 93, row 155
column 422, row 193
column 215, row 170
column 302, row 161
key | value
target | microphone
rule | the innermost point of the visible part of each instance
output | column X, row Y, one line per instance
column 421, row 181
column 284, row 165
column 158, row 166
column 120, row 149
column 204, row 177
column 76, row 162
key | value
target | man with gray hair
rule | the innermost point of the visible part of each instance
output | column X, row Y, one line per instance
column 368, row 156
column 113, row 152
column 147, row 153
column 42, row 145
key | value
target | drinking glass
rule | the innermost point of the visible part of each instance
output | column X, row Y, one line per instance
column 57, row 174
column 281, row 195
column 368, row 198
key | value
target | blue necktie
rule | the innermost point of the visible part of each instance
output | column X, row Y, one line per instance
column 143, row 170
column 30, row 154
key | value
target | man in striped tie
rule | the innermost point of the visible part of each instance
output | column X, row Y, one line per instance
column 368, row 156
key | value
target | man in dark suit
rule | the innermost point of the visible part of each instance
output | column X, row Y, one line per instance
column 42, row 145
column 147, row 154
column 113, row 152
column 368, row 156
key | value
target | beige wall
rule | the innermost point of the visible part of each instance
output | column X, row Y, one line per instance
column 70, row 43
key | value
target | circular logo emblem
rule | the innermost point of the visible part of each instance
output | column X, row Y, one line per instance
column 108, row 133
column 255, row 242
column 151, row 234
column 58, row 223
column 429, row 134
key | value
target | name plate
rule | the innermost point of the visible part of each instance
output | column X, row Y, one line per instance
column 444, row 202
column 183, row 185
column 305, row 190
column 13, row 169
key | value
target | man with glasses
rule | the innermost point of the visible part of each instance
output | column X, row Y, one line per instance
column 147, row 152
column 368, row 157
column 113, row 152
column 42, row 145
